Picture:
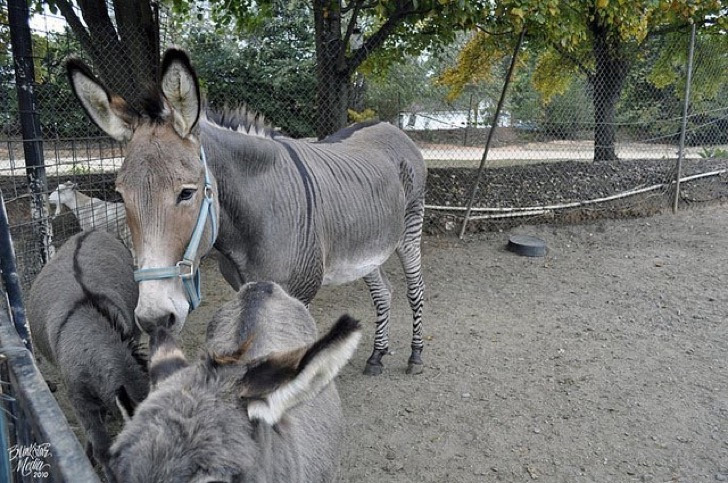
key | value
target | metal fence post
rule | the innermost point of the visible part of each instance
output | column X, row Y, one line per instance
column 22, row 47
column 683, row 127
column 491, row 131
column 469, row 122
column 10, row 278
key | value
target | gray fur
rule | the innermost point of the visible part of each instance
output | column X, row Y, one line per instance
column 308, row 214
column 195, row 427
column 81, row 314
column 264, row 314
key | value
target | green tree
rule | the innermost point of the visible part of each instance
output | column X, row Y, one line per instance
column 7, row 88
column 599, row 39
column 409, row 84
column 391, row 28
column 57, row 108
column 271, row 70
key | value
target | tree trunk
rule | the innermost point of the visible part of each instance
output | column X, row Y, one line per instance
column 125, row 54
column 358, row 92
column 139, row 34
column 333, row 96
column 332, row 74
column 607, row 82
column 333, row 67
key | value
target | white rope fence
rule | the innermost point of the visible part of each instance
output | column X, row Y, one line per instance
column 495, row 213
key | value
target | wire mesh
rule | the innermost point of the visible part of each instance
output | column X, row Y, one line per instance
column 542, row 159
column 604, row 145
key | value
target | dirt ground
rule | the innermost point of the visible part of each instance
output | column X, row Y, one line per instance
column 605, row 361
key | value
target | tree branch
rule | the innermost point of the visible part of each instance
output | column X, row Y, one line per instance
column 495, row 34
column 357, row 4
column 352, row 23
column 579, row 65
column 75, row 23
column 675, row 28
column 378, row 38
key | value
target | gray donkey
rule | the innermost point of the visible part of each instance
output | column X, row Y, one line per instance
column 260, row 407
column 81, row 314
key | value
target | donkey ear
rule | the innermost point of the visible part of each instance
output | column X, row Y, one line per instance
column 282, row 381
column 165, row 357
column 181, row 89
column 110, row 112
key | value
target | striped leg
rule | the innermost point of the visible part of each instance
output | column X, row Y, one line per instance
column 410, row 255
column 381, row 293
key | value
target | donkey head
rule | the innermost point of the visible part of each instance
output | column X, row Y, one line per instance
column 211, row 421
column 162, row 179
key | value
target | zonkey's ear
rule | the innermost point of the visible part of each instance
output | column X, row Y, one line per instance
column 166, row 357
column 110, row 112
column 279, row 382
column 181, row 89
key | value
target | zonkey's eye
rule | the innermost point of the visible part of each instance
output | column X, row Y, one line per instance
column 186, row 194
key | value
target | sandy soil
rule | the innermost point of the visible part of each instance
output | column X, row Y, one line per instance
column 605, row 361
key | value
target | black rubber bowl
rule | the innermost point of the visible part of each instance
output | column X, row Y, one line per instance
column 527, row 246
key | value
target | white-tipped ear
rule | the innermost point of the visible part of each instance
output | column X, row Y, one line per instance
column 181, row 89
column 109, row 112
column 315, row 370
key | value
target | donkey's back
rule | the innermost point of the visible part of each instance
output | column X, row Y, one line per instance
column 92, row 268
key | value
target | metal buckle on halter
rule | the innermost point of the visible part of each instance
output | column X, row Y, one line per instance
column 188, row 265
column 208, row 192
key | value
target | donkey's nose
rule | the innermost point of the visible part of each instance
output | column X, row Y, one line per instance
column 148, row 325
column 161, row 304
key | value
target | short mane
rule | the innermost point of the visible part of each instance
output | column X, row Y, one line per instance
column 240, row 119
column 152, row 106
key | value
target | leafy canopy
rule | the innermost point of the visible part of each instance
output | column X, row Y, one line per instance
column 411, row 26
column 561, row 32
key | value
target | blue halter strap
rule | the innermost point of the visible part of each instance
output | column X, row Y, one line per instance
column 185, row 268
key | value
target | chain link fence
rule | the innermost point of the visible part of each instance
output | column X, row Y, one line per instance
column 610, row 142
column 540, row 164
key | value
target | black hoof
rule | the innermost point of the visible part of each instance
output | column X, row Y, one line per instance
column 414, row 369
column 374, row 365
column 414, row 364
column 373, row 370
